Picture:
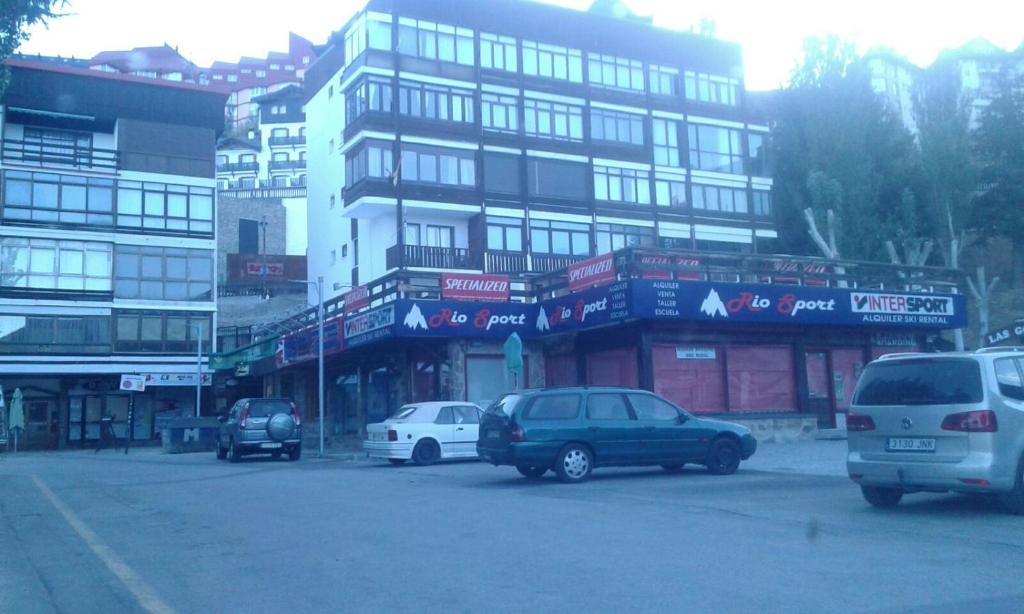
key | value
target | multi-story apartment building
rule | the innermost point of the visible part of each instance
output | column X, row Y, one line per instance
column 107, row 230
column 162, row 62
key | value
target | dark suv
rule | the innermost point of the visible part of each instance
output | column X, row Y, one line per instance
column 260, row 426
column 573, row 430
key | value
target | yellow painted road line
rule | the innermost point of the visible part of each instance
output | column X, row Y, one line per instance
column 143, row 593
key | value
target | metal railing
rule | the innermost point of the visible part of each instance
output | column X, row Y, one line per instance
column 56, row 154
column 505, row 262
column 237, row 167
column 402, row 256
column 285, row 164
column 276, row 141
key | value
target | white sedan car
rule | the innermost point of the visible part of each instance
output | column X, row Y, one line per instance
column 426, row 433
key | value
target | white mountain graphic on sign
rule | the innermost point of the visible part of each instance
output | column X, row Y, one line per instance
column 713, row 305
column 542, row 321
column 414, row 319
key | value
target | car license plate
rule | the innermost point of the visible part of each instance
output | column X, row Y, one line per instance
column 494, row 434
column 270, row 446
column 910, row 444
column 376, row 436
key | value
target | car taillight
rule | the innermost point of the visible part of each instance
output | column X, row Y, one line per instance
column 518, row 434
column 859, row 422
column 296, row 416
column 392, row 435
column 982, row 421
column 245, row 416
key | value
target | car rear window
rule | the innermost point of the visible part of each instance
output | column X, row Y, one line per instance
column 553, row 407
column 1008, row 375
column 504, row 406
column 266, row 408
column 923, row 381
column 406, row 411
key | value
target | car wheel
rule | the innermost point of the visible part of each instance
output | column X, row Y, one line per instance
column 396, row 461
column 723, row 457
column 673, row 468
column 221, row 452
column 276, row 455
column 426, row 452
column 295, row 453
column 234, row 454
column 1013, row 501
column 880, row 496
column 574, row 463
column 531, row 471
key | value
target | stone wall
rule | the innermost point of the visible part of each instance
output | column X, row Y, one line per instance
column 779, row 429
column 230, row 210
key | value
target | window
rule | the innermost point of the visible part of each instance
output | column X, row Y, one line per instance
column 334, row 257
column 622, row 185
column 150, row 331
column 278, row 133
column 436, row 165
column 222, row 160
column 1008, row 375
column 466, row 414
column 553, row 120
column 499, row 113
column 331, row 203
column 232, row 78
column 501, row 173
column 669, row 191
column 368, row 95
column 607, row 407
column 563, row 238
column 611, row 237
column 617, row 127
column 504, row 234
column 664, row 80
column 666, row 142
column 650, row 407
column 762, row 203
column 55, row 265
column 379, row 34
column 429, row 235
column 498, row 52
column 553, row 407
column 714, row 198
column 370, row 160
column 445, row 416
column 412, row 234
column 280, row 156
column 64, row 199
column 618, row 73
column 279, row 181
column 556, row 178
column 435, row 102
column 261, row 73
column 165, row 207
column 163, row 273
column 714, row 148
column 247, row 158
column 920, row 381
column 34, row 334
column 553, row 62
column 714, row 89
column 757, row 154
column 57, row 146
column 434, row 41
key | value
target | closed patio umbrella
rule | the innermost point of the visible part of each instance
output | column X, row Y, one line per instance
column 17, row 418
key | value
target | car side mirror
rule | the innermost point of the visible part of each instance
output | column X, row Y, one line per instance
column 682, row 419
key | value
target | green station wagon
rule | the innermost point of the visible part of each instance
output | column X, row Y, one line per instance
column 573, row 430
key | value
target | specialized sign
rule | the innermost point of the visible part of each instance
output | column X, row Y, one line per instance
column 592, row 272
column 474, row 287
column 176, row 379
column 133, row 383
column 355, row 299
column 1008, row 334
column 369, row 326
column 305, row 345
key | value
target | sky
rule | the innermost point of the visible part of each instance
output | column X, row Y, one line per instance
column 770, row 31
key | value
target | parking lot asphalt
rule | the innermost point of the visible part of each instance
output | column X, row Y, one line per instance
column 83, row 532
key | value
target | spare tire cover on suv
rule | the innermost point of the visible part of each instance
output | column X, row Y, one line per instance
column 281, row 426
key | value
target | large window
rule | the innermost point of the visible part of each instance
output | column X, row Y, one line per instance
column 499, row 113
column 714, row 198
column 435, row 41
column 370, row 160
column 553, row 120
column 762, row 203
column 47, row 334
column 504, row 234
column 714, row 89
column 369, row 95
column 498, row 52
column 451, row 167
column 669, row 190
column 627, row 128
column 59, row 199
column 622, row 185
column 714, row 148
column 551, row 61
column 160, row 206
column 664, row 80
column 166, row 331
column 501, row 173
column 163, row 273
column 556, row 178
column 611, row 237
column 561, row 238
column 666, row 142
column 435, row 102
column 429, row 235
column 619, row 73
column 55, row 265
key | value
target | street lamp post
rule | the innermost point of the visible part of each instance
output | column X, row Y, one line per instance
column 319, row 285
column 199, row 364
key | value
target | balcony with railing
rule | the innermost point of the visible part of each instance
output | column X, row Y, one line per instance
column 505, row 262
column 238, row 167
column 286, row 141
column 70, row 155
column 280, row 165
column 546, row 263
column 428, row 257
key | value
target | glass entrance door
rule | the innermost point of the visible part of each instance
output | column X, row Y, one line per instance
column 819, row 387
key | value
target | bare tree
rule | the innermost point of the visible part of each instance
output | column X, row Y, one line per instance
column 982, row 293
